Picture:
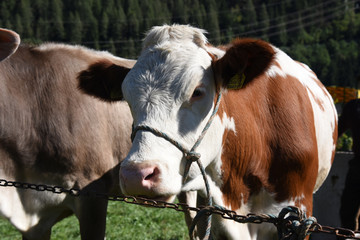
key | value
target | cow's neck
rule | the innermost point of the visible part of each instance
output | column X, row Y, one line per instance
column 244, row 155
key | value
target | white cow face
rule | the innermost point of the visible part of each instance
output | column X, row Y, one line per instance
column 171, row 88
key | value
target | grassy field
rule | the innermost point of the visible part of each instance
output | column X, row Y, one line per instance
column 124, row 221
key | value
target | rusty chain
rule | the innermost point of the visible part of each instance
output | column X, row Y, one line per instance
column 183, row 207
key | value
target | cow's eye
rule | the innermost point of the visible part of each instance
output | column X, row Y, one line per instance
column 197, row 94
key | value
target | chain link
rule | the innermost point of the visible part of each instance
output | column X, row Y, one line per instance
column 183, row 207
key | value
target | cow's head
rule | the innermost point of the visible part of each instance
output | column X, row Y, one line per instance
column 9, row 42
column 172, row 88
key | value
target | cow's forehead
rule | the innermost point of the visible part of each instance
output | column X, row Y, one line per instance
column 168, row 69
column 169, row 53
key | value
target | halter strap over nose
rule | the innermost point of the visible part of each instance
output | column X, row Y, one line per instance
column 190, row 155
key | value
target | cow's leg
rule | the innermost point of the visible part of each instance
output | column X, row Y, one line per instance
column 46, row 236
column 91, row 213
column 190, row 199
column 193, row 199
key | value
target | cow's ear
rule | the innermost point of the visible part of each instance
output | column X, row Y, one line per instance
column 243, row 61
column 9, row 42
column 103, row 80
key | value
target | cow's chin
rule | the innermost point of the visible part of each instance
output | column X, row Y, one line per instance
column 170, row 198
column 195, row 184
column 152, row 196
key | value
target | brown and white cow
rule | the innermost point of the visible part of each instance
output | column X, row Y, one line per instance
column 270, row 145
column 51, row 133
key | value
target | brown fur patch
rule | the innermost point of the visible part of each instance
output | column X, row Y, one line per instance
column 274, row 146
column 102, row 79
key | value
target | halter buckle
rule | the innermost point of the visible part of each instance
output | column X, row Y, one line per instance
column 192, row 156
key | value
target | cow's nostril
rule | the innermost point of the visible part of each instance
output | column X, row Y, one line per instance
column 153, row 174
column 148, row 177
column 139, row 180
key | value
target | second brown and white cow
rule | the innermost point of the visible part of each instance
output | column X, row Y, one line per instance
column 51, row 133
column 270, row 145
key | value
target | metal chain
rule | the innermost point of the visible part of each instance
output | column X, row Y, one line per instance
column 40, row 187
column 287, row 223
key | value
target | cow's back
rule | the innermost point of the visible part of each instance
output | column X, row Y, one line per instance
column 51, row 133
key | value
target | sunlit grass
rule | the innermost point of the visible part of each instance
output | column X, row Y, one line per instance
column 124, row 221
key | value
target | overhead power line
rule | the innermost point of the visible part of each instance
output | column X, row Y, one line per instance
column 332, row 11
column 287, row 15
column 307, row 13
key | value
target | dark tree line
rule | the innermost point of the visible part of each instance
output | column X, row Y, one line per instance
column 325, row 34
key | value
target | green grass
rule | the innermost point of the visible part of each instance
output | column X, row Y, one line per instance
column 124, row 221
